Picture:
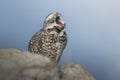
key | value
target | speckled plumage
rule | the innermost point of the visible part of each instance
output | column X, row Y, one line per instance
column 51, row 40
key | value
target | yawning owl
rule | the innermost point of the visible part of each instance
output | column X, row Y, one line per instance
column 51, row 40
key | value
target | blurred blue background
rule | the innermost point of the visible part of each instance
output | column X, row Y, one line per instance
column 93, row 28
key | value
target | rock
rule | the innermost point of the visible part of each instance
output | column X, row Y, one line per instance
column 18, row 65
column 76, row 72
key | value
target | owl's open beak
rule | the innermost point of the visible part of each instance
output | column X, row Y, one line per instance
column 61, row 24
column 59, row 21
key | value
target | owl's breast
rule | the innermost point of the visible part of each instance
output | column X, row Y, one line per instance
column 54, row 42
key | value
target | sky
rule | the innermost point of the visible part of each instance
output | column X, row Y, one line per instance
column 93, row 29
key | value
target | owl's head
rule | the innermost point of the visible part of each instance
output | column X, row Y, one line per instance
column 53, row 23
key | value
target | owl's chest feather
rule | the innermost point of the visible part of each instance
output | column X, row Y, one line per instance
column 52, row 40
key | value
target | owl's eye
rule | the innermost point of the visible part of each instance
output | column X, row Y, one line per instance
column 57, row 29
column 52, row 21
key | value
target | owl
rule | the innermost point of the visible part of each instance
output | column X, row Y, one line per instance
column 51, row 40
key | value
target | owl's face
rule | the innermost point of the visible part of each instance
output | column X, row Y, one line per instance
column 53, row 23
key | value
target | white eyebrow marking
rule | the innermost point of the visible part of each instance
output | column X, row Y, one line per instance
column 49, row 17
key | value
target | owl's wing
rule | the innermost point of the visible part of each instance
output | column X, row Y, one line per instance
column 63, row 41
column 34, row 44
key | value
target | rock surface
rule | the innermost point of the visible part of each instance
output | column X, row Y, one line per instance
column 18, row 65
column 76, row 72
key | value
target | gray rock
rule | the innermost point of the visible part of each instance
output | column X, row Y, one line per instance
column 75, row 72
column 18, row 65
